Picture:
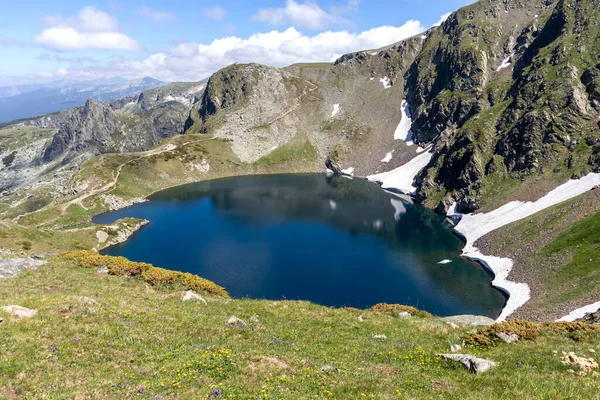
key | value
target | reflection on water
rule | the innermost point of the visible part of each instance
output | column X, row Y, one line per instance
column 331, row 240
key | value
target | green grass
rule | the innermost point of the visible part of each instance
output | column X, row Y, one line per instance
column 151, row 340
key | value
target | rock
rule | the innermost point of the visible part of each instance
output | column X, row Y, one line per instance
column 586, row 365
column 20, row 312
column 507, row 337
column 191, row 295
column 383, row 337
column 254, row 319
column 328, row 369
column 361, row 318
column 404, row 315
column 452, row 325
column 333, row 166
column 471, row 363
column 236, row 322
column 11, row 267
column 103, row 270
column 471, row 320
column 455, row 348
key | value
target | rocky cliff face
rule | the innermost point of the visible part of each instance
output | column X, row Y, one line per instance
column 49, row 149
column 506, row 91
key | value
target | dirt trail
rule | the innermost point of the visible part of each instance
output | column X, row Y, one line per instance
column 79, row 200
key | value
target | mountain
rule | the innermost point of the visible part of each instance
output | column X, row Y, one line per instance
column 25, row 101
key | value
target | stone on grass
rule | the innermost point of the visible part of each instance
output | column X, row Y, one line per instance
column 20, row 312
column 455, row 348
column 327, row 369
column 103, row 270
column 471, row 320
column 254, row 319
column 236, row 322
column 191, row 295
column 452, row 325
column 471, row 363
column 361, row 318
column 585, row 365
column 404, row 315
column 507, row 337
column 383, row 337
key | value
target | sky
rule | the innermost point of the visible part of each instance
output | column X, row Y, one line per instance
column 183, row 40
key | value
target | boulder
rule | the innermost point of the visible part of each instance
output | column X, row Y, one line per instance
column 454, row 348
column 191, row 295
column 470, row 320
column 236, row 322
column 471, row 363
column 328, row 369
column 381, row 337
column 20, row 312
column 507, row 337
column 404, row 315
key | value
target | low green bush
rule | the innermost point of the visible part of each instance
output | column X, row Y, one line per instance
column 121, row 266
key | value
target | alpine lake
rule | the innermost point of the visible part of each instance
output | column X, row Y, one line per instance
column 331, row 240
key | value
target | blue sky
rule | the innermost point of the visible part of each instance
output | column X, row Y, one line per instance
column 188, row 40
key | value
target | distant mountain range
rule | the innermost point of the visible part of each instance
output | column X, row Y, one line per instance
column 26, row 101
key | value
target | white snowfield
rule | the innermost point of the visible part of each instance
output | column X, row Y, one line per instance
column 402, row 177
column 348, row 171
column 386, row 82
column 475, row 226
column 388, row 157
column 403, row 129
column 446, row 261
column 505, row 63
column 336, row 109
column 580, row 312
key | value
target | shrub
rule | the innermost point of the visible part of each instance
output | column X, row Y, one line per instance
column 486, row 337
column 159, row 276
column 394, row 309
column 578, row 331
column 121, row 266
column 26, row 245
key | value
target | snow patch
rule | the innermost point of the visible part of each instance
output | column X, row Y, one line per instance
column 580, row 312
column 274, row 147
column 420, row 149
column 388, row 157
column 386, row 82
column 423, row 37
column 374, row 53
column 333, row 205
column 336, row 109
column 348, row 171
column 445, row 262
column 402, row 177
column 378, row 224
column 475, row 226
column 403, row 129
column 505, row 63
column 371, row 78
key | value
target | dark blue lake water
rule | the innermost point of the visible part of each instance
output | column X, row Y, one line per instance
column 330, row 240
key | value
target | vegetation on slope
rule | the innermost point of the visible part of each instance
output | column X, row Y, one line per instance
column 105, row 336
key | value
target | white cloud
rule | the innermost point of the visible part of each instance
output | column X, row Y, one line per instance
column 90, row 29
column 442, row 19
column 216, row 13
column 69, row 39
column 306, row 15
column 157, row 16
column 196, row 61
